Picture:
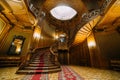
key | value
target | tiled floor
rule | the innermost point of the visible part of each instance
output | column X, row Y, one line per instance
column 85, row 72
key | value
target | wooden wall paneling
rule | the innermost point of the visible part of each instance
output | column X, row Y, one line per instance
column 3, row 37
column 72, row 55
column 108, row 46
column 80, row 53
column 85, row 54
column 63, row 57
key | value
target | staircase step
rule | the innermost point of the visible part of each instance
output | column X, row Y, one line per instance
column 37, row 71
column 41, row 58
column 9, row 65
column 41, row 62
column 40, row 65
column 37, row 58
column 41, row 68
column 9, row 62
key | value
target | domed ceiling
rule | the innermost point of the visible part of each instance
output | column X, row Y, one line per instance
column 88, row 14
column 77, row 5
column 47, row 5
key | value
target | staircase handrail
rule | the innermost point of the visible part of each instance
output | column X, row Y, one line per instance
column 52, row 51
column 25, row 59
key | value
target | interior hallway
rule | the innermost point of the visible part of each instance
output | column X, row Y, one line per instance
column 76, row 32
column 86, row 73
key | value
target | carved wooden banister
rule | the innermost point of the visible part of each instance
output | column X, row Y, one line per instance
column 53, row 50
column 25, row 59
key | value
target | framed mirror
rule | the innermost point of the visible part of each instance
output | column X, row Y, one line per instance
column 16, row 45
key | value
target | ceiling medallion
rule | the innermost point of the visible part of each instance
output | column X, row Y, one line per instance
column 63, row 12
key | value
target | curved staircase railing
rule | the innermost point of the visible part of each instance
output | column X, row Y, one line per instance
column 87, row 17
column 26, row 58
column 53, row 50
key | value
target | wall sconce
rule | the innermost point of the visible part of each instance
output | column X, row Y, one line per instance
column 56, row 37
column 91, row 44
column 36, row 34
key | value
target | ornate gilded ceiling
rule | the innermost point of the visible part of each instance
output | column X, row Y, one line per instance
column 90, row 13
column 17, row 13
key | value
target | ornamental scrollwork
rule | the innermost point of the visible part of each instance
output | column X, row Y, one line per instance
column 89, row 16
column 105, row 4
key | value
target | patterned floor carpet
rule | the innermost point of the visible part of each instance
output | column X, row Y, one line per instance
column 67, row 73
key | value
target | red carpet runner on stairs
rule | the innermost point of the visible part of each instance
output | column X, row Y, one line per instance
column 41, row 62
column 37, row 76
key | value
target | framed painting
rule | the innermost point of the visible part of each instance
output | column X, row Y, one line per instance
column 16, row 45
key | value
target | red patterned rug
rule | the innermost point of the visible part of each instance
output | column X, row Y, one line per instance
column 66, row 74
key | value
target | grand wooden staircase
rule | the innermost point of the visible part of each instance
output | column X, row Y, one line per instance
column 41, row 62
